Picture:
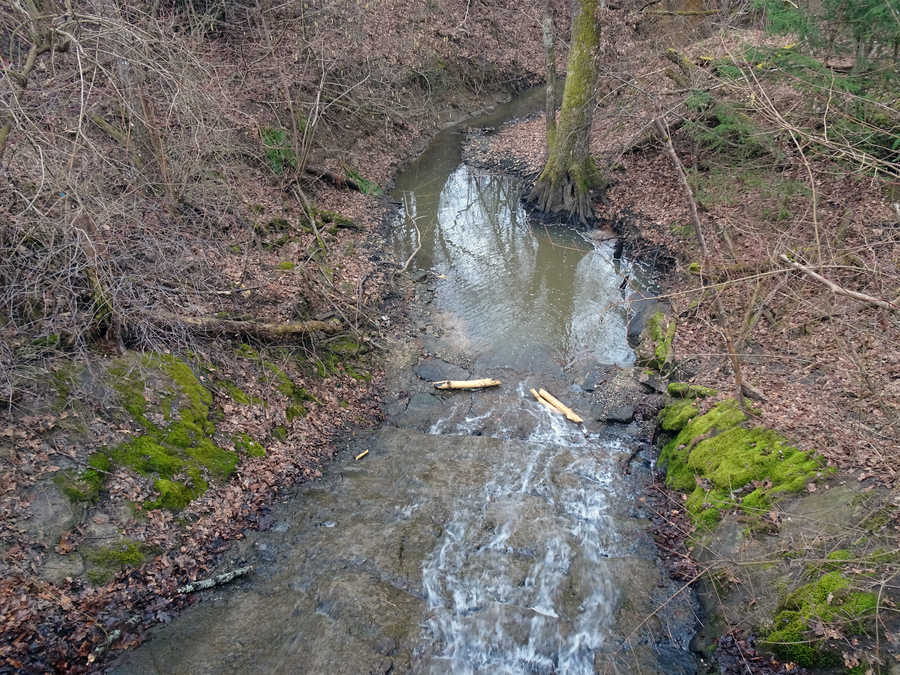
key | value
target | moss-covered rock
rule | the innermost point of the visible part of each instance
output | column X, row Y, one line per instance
column 685, row 390
column 654, row 349
column 84, row 486
column 716, row 458
column 675, row 415
column 827, row 601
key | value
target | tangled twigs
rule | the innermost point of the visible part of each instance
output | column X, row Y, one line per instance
column 834, row 288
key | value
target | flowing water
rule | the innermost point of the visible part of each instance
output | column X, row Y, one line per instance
column 482, row 533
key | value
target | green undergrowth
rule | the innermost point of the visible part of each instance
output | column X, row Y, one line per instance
column 176, row 449
column 104, row 562
column 724, row 464
column 828, row 602
column 726, row 130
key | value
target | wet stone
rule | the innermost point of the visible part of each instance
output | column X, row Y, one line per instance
column 597, row 376
column 433, row 370
column 623, row 414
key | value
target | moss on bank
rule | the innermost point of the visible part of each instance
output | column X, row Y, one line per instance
column 244, row 443
column 179, row 453
column 830, row 602
column 104, row 562
column 725, row 464
column 685, row 390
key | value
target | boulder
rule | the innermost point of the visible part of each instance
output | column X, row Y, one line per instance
column 622, row 414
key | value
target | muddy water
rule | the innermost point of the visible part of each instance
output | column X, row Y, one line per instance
column 481, row 533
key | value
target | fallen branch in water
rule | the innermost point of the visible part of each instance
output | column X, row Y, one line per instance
column 212, row 582
column 834, row 288
column 559, row 405
column 411, row 219
column 466, row 384
column 549, row 406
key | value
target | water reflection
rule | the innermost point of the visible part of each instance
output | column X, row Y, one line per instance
column 510, row 281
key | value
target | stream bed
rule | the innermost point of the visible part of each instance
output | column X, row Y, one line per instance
column 481, row 533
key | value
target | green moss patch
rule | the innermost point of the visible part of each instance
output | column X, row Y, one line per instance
column 104, row 562
column 655, row 350
column 829, row 601
column 725, row 464
column 180, row 454
column 675, row 415
column 236, row 394
column 685, row 390
column 244, row 443
column 297, row 395
column 84, row 486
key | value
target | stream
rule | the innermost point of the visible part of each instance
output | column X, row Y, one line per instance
column 481, row 533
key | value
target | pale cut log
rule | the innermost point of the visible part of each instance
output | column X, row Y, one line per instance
column 466, row 384
column 544, row 402
column 562, row 407
column 361, row 455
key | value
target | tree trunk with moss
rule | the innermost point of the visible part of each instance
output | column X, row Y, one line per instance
column 564, row 186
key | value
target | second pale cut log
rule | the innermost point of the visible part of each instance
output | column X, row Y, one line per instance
column 544, row 402
column 559, row 405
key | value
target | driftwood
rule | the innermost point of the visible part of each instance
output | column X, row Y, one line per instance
column 466, row 384
column 260, row 329
column 553, row 404
column 559, row 405
column 834, row 288
column 361, row 455
column 544, row 402
column 217, row 580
